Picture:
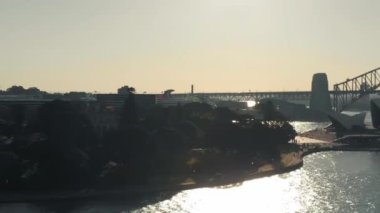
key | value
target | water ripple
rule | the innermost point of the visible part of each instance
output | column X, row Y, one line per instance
column 324, row 184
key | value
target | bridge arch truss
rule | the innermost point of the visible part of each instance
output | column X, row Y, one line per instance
column 352, row 89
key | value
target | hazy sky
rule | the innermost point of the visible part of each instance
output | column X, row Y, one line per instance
column 217, row 45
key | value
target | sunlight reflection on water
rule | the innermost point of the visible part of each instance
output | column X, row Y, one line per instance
column 258, row 195
column 329, row 182
column 304, row 126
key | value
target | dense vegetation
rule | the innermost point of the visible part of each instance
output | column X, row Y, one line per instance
column 59, row 147
column 34, row 92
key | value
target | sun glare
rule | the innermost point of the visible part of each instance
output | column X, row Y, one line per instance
column 251, row 103
column 257, row 195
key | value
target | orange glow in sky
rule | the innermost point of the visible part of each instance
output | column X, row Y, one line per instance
column 217, row 45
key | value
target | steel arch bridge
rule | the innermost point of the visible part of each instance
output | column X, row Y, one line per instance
column 352, row 89
column 249, row 96
column 343, row 94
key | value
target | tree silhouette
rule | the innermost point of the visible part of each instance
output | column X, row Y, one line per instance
column 126, row 90
column 69, row 133
column 18, row 115
column 16, row 90
column 128, row 115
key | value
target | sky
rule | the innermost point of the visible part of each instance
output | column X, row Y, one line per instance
column 154, row 45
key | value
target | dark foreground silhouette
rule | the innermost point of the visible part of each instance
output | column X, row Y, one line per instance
column 60, row 147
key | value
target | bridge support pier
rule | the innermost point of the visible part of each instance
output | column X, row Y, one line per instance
column 320, row 97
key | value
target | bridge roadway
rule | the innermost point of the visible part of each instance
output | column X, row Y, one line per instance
column 245, row 96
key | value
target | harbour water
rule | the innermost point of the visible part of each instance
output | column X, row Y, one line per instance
column 304, row 126
column 328, row 182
